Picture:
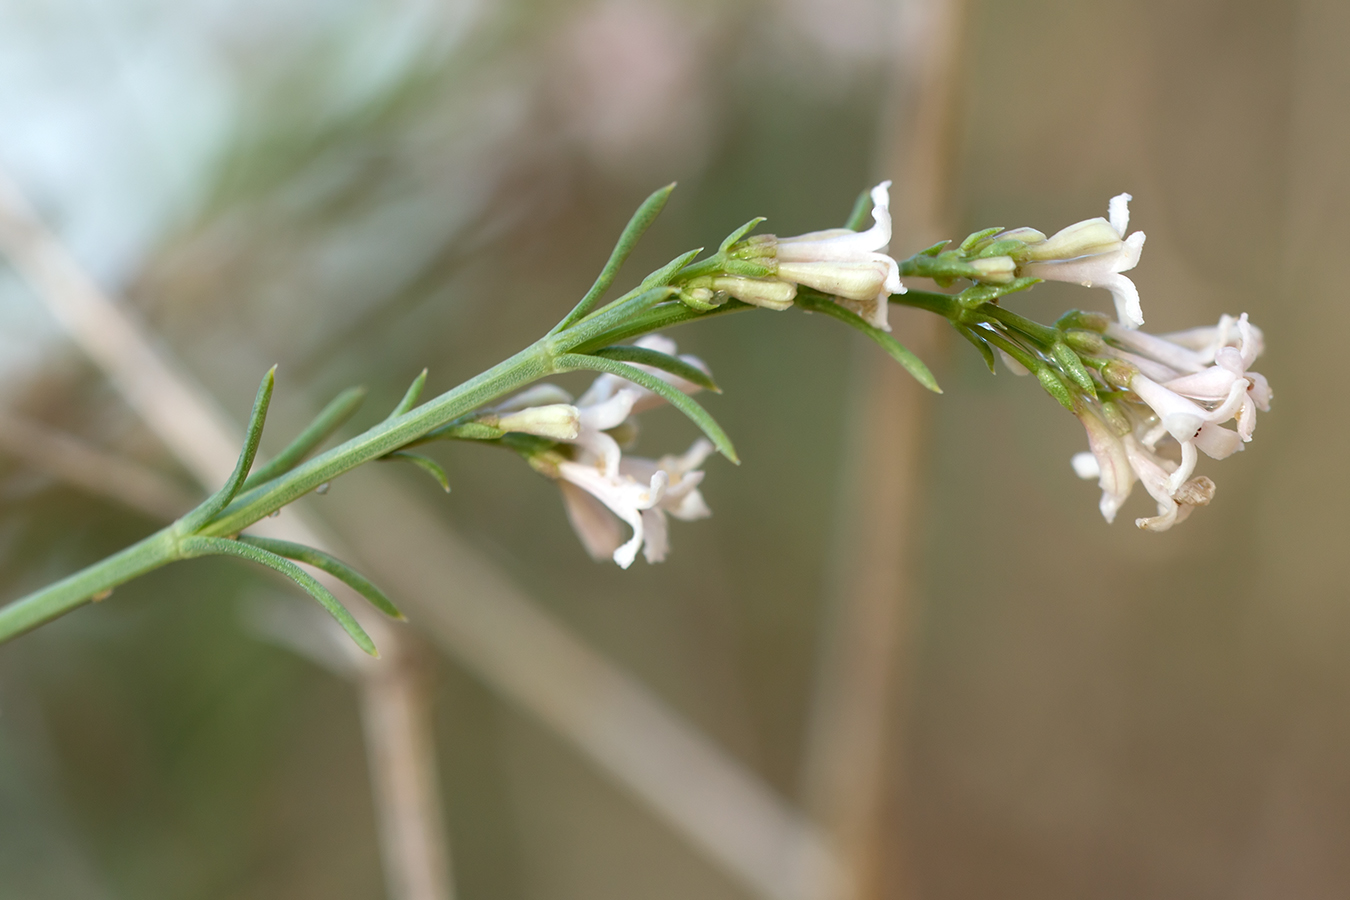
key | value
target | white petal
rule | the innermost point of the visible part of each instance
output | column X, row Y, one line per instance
column 1246, row 418
column 843, row 245
column 657, row 540
column 1230, row 406
column 1181, row 416
column 1126, row 295
column 1164, row 351
column 1189, row 457
column 1128, row 256
column 1213, row 384
column 1119, row 211
column 1218, row 442
column 1260, row 391
column 599, row 529
column 1085, row 466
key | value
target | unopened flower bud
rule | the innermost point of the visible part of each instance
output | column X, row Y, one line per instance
column 1119, row 373
column 558, row 422
column 1087, row 342
column 1086, row 238
column 759, row 246
column 860, row 280
column 1025, row 235
column 1055, row 387
column 1116, row 418
column 1084, row 321
column 541, row 394
column 769, row 293
column 995, row 269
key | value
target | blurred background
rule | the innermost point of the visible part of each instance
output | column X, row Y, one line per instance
column 904, row 659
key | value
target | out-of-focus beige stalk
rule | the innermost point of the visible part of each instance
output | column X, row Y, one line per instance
column 856, row 723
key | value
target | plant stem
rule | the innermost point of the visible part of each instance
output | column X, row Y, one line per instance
column 163, row 546
column 536, row 361
column 73, row 591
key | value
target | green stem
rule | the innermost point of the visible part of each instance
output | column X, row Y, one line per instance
column 534, row 362
column 943, row 304
column 165, row 546
column 72, row 592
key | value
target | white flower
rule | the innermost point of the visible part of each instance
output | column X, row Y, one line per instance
column 1092, row 253
column 1188, row 386
column 853, row 266
column 1108, row 463
column 603, row 488
column 622, row 495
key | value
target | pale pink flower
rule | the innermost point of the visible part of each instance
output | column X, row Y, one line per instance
column 852, row 266
column 1092, row 253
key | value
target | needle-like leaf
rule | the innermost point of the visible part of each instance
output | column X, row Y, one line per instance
column 632, row 232
column 980, row 344
column 857, row 219
column 816, row 302
column 673, row 395
column 329, row 420
column 330, row 564
column 221, row 498
column 410, row 397
column 739, row 233
column 198, row 546
column 426, row 464
column 663, row 361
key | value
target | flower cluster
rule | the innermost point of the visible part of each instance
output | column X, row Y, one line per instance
column 851, row 266
column 1181, row 388
column 602, row 487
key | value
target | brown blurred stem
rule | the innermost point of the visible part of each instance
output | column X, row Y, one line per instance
column 853, row 739
column 95, row 471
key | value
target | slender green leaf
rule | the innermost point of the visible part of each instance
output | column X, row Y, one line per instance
column 973, row 239
column 198, row 546
column 816, row 302
column 338, row 411
column 221, row 498
column 612, row 316
column 857, row 219
column 668, row 392
column 410, row 397
column 330, row 564
column 980, row 344
column 663, row 361
column 632, row 232
column 739, row 233
column 747, row 268
column 426, row 464
column 663, row 275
